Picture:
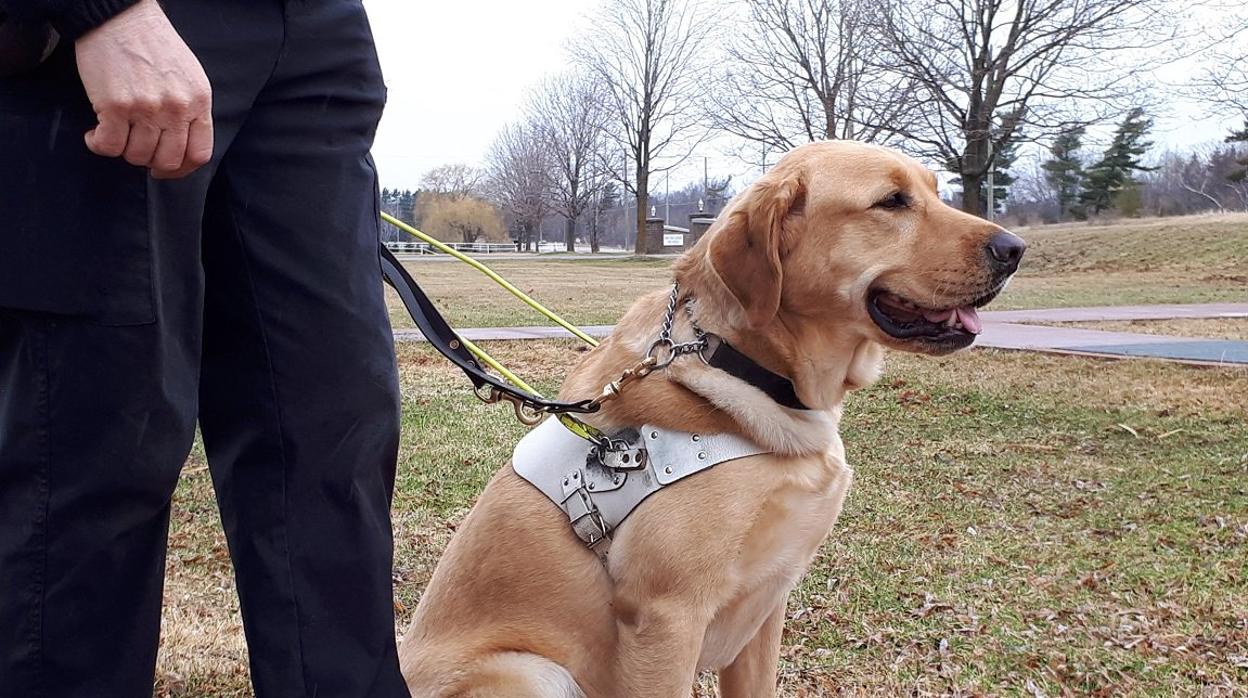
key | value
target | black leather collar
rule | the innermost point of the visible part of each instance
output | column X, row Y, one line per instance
column 726, row 358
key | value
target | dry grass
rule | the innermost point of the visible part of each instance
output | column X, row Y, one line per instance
column 596, row 291
column 1197, row 259
column 1018, row 522
column 1021, row 524
column 1216, row 328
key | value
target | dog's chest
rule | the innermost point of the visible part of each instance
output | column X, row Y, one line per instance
column 774, row 558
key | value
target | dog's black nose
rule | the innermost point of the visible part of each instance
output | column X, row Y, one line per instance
column 1005, row 250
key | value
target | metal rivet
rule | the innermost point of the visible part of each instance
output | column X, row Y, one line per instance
column 565, row 482
column 697, row 437
column 654, row 434
column 668, row 470
column 701, row 455
column 591, row 485
column 625, row 458
column 577, row 476
column 615, row 480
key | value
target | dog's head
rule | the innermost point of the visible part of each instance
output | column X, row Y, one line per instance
column 856, row 235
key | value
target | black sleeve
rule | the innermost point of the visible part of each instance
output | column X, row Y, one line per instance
column 72, row 18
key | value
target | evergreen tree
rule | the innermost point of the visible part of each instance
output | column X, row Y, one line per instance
column 1112, row 175
column 1064, row 171
column 1002, row 178
column 1241, row 136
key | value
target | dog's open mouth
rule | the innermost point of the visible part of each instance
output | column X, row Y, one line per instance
column 904, row 319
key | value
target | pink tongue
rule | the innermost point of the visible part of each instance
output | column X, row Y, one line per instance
column 969, row 317
column 937, row 316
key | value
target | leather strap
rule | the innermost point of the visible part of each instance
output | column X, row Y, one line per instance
column 726, row 358
column 435, row 329
column 597, row 498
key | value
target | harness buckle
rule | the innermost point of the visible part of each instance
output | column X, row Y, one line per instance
column 627, row 458
column 587, row 520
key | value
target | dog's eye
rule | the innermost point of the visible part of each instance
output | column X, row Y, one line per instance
column 894, row 201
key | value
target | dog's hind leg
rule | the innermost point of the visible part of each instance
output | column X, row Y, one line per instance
column 520, row 675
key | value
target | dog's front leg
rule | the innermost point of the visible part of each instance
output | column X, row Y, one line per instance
column 753, row 673
column 659, row 644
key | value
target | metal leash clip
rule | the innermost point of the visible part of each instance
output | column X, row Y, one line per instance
column 526, row 412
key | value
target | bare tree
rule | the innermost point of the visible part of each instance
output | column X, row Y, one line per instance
column 987, row 69
column 456, row 180
column 518, row 172
column 801, row 71
column 570, row 115
column 1195, row 180
column 649, row 57
column 1032, row 194
column 463, row 219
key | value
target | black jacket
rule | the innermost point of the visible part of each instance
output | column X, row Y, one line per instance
column 72, row 18
column 74, row 235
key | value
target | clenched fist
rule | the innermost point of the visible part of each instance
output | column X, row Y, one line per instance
column 150, row 93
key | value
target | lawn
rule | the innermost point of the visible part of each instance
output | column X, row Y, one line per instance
column 1198, row 259
column 1020, row 524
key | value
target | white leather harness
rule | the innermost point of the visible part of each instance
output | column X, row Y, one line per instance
column 598, row 494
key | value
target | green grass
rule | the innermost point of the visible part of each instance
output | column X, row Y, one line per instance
column 1200, row 259
column 1016, row 520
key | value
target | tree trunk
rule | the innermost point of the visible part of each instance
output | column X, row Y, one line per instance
column 643, row 209
column 972, row 190
column 593, row 239
column 974, row 164
column 569, row 234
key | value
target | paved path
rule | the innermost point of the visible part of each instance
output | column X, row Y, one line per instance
column 1121, row 312
column 1003, row 330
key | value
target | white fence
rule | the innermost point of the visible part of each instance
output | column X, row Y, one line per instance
column 473, row 247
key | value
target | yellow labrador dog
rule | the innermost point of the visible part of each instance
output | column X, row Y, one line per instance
column 839, row 251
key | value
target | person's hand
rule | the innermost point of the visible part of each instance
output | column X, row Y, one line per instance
column 150, row 94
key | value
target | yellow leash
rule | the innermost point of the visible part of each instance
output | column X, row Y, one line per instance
column 442, row 247
column 573, row 424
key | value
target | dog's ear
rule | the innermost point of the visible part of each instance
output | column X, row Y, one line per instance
column 745, row 253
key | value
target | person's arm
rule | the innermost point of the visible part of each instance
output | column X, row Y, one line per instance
column 150, row 94
column 71, row 18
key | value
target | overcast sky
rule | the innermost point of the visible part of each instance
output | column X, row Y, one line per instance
column 457, row 71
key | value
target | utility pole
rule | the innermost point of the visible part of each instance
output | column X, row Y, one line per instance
column 992, row 166
column 992, row 187
column 667, row 197
column 706, row 181
column 628, row 228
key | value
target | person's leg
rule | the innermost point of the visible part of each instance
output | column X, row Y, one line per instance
column 299, row 398
column 98, row 403
column 95, row 423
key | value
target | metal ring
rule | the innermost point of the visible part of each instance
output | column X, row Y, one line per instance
column 530, row 417
column 671, row 355
column 489, row 398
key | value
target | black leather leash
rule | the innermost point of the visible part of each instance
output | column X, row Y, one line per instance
column 435, row 329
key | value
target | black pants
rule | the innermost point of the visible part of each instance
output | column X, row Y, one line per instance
column 247, row 297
